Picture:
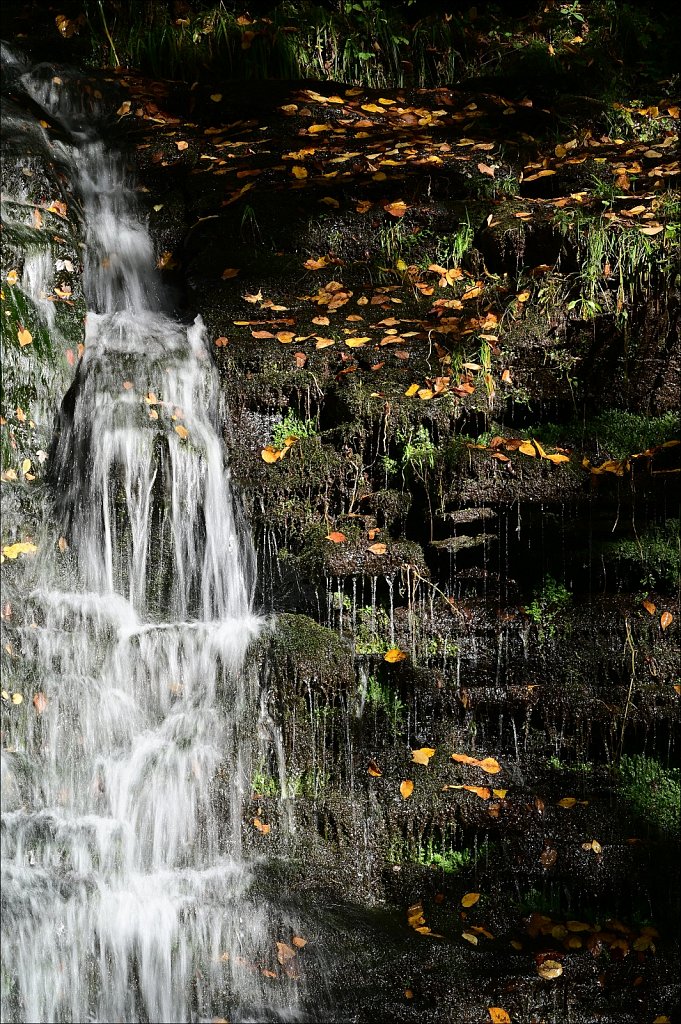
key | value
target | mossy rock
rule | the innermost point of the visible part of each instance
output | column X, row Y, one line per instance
column 299, row 648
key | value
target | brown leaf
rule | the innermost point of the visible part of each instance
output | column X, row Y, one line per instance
column 649, row 607
column 39, row 702
column 378, row 549
column 396, row 209
column 374, row 770
column 229, row 272
column 485, row 169
column 284, row 953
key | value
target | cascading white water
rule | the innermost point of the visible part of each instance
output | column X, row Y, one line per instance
column 125, row 897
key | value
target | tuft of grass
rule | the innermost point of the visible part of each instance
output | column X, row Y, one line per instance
column 653, row 792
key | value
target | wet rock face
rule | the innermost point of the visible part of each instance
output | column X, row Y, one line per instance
column 467, row 526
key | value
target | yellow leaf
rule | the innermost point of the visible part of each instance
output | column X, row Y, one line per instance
column 13, row 551
column 406, row 788
column 470, row 899
column 270, row 454
column 26, row 466
column 497, row 1015
column 549, row 970
column 182, row 431
column 411, row 390
column 24, row 335
column 527, row 448
column 315, row 129
column 17, row 698
column 330, row 201
column 285, row 337
column 422, row 755
column 394, row 655
column 356, row 342
column 298, row 172
column 372, row 108
column 666, row 619
column 568, row 802
column 316, row 263
column 12, row 277
column 499, row 793
column 425, row 394
column 470, row 937
column 216, row 97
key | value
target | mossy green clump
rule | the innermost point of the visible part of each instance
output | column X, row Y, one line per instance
column 304, row 649
column 655, row 555
column 653, row 792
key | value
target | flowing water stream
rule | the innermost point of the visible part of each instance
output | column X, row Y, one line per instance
column 125, row 895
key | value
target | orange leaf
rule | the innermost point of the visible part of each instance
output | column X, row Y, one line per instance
column 298, row 941
column 394, row 655
column 336, row 537
column 181, row 145
column 285, row 337
column 182, row 431
column 485, row 169
column 396, row 209
column 316, row 264
column 261, row 826
column 378, row 549
column 270, row 454
column 497, row 1015
column 374, row 770
column 406, row 788
column 649, row 607
column 488, row 764
column 24, row 335
column 527, row 448
column 666, row 619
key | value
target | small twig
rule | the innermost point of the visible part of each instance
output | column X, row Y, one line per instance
column 632, row 680
column 117, row 63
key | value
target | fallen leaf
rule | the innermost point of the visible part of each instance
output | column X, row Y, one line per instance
column 374, row 770
column 378, row 549
column 181, row 144
column 299, row 942
column 549, row 970
column 422, row 755
column 470, row 937
column 284, row 953
column 298, row 172
column 488, row 764
column 13, row 551
column 24, row 335
column 261, row 826
column 527, row 448
column 316, row 264
column 649, row 607
column 485, row 169
column 396, row 209
column 666, row 619
column 39, row 702
column 229, row 272
column 470, row 899
column 406, row 788
column 394, row 655
column 497, row 1015
column 336, row 537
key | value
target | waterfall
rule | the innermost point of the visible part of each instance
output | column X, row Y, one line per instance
column 125, row 894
